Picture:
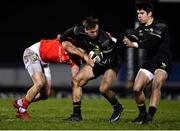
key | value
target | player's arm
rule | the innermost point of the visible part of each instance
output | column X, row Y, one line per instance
column 112, row 38
column 70, row 48
column 131, row 40
column 129, row 43
column 148, row 40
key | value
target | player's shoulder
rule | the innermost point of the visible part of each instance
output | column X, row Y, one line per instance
column 140, row 27
column 75, row 29
column 78, row 30
column 103, row 35
column 160, row 24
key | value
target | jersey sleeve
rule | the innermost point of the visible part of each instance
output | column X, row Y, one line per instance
column 134, row 36
column 150, row 38
column 68, row 34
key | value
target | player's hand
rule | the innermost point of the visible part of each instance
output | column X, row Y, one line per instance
column 88, row 60
column 59, row 37
column 127, row 42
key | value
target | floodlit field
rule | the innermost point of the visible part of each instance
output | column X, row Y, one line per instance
column 48, row 115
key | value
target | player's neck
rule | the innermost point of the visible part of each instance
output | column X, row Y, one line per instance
column 150, row 21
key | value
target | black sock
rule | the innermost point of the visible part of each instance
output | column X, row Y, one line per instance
column 152, row 111
column 142, row 109
column 116, row 105
column 114, row 102
column 77, row 107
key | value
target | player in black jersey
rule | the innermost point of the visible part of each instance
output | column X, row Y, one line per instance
column 153, row 36
column 88, row 37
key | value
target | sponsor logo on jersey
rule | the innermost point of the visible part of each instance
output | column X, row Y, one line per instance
column 163, row 65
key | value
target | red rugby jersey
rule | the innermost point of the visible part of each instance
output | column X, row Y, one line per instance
column 53, row 51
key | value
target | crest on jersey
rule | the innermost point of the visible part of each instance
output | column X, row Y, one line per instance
column 163, row 65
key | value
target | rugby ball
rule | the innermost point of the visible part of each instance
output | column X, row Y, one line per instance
column 96, row 55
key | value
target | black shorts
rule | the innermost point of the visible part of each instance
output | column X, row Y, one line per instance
column 100, row 70
column 158, row 64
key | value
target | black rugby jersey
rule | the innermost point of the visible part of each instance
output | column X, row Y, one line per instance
column 155, row 39
column 109, row 48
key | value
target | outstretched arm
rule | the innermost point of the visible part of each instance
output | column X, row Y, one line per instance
column 70, row 48
column 129, row 43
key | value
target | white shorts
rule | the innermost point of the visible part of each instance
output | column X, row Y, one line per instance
column 147, row 73
column 33, row 64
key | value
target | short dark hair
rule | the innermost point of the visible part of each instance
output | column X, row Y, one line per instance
column 90, row 22
column 147, row 6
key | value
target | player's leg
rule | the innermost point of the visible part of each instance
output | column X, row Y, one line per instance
column 46, row 89
column 159, row 79
column 74, row 70
column 107, row 80
column 44, row 92
column 78, row 81
column 34, row 68
column 25, row 101
column 39, row 82
column 142, row 79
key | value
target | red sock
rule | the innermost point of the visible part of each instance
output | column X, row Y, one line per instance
column 25, row 103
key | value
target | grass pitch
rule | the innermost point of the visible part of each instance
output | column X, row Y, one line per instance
column 49, row 114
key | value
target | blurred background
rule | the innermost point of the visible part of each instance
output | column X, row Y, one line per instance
column 24, row 23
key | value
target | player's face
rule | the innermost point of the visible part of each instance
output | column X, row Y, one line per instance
column 143, row 16
column 93, row 32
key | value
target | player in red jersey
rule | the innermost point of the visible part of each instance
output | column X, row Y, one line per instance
column 36, row 60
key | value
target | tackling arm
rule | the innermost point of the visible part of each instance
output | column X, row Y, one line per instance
column 70, row 48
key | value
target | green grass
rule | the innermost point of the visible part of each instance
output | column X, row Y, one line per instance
column 48, row 115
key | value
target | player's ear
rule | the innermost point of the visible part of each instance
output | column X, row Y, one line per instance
column 150, row 14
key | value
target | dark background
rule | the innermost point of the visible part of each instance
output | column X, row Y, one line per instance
column 26, row 22
column 169, row 12
column 23, row 23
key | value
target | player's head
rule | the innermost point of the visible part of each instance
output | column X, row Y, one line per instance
column 91, row 26
column 144, row 11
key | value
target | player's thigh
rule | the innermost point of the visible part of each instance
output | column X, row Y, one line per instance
column 46, row 90
column 107, row 80
column 36, row 72
column 109, row 77
column 33, row 65
column 85, row 73
column 143, row 77
column 47, row 72
column 74, row 70
column 160, row 75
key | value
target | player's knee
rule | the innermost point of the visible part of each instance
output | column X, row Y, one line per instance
column 159, row 81
column 103, row 90
column 74, row 81
column 137, row 88
column 156, row 86
column 137, row 91
column 82, row 83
